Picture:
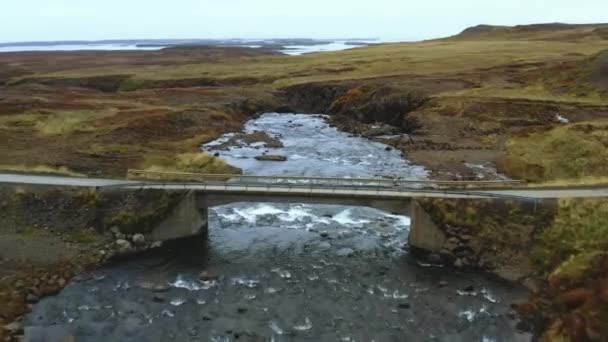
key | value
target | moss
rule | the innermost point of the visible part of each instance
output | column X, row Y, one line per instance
column 144, row 214
column 503, row 228
column 85, row 237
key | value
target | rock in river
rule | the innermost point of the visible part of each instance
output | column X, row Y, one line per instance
column 270, row 157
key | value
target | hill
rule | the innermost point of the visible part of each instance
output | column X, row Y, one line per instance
column 550, row 31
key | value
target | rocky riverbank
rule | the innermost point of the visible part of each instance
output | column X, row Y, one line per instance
column 48, row 235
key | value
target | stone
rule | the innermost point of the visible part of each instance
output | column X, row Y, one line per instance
column 31, row 298
column 14, row 327
column 434, row 258
column 388, row 149
column 115, row 230
column 325, row 245
column 241, row 310
column 269, row 157
column 61, row 282
column 469, row 288
column 442, row 283
column 452, row 243
column 458, row 263
column 123, row 245
column 208, row 275
column 158, row 298
column 345, row 252
column 378, row 131
column 160, row 288
column 139, row 239
column 404, row 306
column 157, row 244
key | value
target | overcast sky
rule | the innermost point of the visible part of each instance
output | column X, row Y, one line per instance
column 28, row 20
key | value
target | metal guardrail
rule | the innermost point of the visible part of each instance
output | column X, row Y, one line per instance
column 315, row 181
column 303, row 190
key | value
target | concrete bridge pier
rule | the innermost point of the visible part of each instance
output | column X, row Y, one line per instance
column 187, row 219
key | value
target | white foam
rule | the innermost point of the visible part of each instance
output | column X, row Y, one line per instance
column 250, row 283
column 285, row 274
column 275, row 328
column 402, row 221
column 304, row 327
column 489, row 296
column 469, row 315
column 192, row 285
column 344, row 218
column 177, row 301
column 293, row 214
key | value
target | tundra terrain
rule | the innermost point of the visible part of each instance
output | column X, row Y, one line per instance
column 481, row 98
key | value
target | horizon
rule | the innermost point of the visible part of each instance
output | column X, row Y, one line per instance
column 370, row 38
column 391, row 20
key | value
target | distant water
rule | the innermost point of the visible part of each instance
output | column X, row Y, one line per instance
column 78, row 47
column 288, row 49
column 295, row 50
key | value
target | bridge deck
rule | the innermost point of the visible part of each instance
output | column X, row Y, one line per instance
column 355, row 188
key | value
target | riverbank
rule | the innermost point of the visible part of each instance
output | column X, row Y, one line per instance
column 48, row 235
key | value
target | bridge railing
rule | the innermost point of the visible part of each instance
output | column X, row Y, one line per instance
column 298, row 181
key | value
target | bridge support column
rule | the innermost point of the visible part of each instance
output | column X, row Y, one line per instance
column 424, row 233
column 185, row 220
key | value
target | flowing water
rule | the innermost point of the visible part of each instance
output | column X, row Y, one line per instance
column 289, row 272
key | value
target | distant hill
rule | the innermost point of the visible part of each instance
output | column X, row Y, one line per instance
column 549, row 31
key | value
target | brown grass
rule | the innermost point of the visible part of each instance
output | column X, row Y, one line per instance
column 564, row 154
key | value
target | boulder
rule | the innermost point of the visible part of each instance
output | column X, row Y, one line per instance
column 139, row 239
column 269, row 157
column 378, row 131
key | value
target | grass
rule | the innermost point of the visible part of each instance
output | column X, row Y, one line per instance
column 191, row 162
column 55, row 122
column 532, row 92
column 423, row 58
column 70, row 121
column 580, row 228
column 565, row 153
column 42, row 169
column 583, row 181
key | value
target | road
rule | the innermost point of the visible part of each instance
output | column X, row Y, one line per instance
column 530, row 193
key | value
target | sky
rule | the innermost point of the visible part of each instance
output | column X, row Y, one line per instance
column 46, row 20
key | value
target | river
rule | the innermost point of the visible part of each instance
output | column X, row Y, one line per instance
column 290, row 272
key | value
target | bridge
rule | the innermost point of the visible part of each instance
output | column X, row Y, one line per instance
column 391, row 195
